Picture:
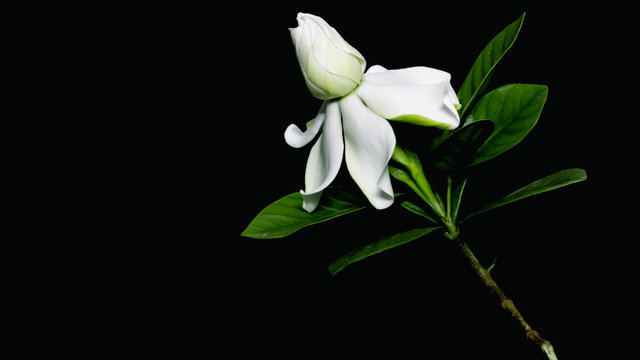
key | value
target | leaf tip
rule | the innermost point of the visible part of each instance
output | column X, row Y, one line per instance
column 245, row 232
column 249, row 235
column 334, row 268
column 582, row 174
column 254, row 233
column 521, row 19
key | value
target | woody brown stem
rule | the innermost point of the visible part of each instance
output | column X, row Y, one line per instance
column 505, row 302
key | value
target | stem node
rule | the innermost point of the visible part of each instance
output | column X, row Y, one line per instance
column 535, row 336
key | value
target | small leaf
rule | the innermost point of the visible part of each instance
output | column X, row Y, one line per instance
column 514, row 110
column 551, row 182
column 286, row 216
column 417, row 210
column 481, row 70
column 459, row 148
column 416, row 178
column 493, row 264
column 383, row 244
column 404, row 177
column 456, row 197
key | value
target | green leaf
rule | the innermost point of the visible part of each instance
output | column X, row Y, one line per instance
column 417, row 210
column 404, row 177
column 286, row 216
column 478, row 78
column 416, row 180
column 551, row 182
column 383, row 244
column 458, row 188
column 459, row 148
column 514, row 110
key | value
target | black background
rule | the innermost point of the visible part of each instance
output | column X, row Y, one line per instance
column 230, row 85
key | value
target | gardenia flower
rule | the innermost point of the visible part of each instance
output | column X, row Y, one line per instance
column 357, row 105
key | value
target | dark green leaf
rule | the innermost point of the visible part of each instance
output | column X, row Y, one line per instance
column 403, row 176
column 459, row 148
column 481, row 70
column 551, row 182
column 514, row 110
column 417, row 210
column 286, row 216
column 377, row 247
column 456, row 197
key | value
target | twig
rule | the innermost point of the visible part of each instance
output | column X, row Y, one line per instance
column 505, row 302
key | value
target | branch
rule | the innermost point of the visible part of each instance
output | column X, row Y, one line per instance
column 505, row 302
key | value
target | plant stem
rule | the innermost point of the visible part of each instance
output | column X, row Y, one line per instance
column 505, row 302
column 419, row 183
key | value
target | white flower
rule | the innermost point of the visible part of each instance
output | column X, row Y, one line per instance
column 355, row 123
column 331, row 67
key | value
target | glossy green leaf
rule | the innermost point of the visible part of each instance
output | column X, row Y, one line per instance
column 551, row 182
column 383, row 244
column 514, row 110
column 459, row 148
column 478, row 78
column 286, row 216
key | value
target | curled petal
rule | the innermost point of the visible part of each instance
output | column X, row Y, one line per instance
column 418, row 95
column 369, row 144
column 325, row 158
column 297, row 138
column 451, row 101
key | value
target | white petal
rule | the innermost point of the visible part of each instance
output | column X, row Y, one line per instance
column 375, row 69
column 369, row 144
column 331, row 35
column 418, row 95
column 325, row 158
column 417, row 75
column 453, row 99
column 331, row 67
column 297, row 138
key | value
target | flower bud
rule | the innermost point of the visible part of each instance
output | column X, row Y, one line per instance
column 331, row 67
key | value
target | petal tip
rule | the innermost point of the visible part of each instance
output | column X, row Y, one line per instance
column 383, row 203
column 291, row 136
column 310, row 201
